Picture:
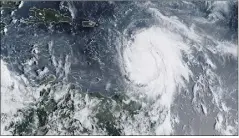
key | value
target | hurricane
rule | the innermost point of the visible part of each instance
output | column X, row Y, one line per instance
column 147, row 68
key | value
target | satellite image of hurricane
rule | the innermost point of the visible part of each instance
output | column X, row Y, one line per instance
column 119, row 67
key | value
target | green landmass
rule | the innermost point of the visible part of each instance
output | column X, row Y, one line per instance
column 9, row 4
column 47, row 16
column 2, row 25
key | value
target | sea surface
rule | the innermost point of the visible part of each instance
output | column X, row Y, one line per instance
column 148, row 68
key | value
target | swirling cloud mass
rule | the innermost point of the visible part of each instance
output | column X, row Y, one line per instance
column 148, row 68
